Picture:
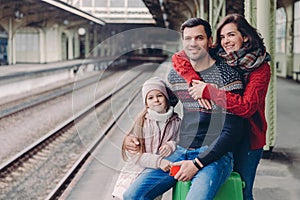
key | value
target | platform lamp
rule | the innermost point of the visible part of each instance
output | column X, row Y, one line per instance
column 18, row 14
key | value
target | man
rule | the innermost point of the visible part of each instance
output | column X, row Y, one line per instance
column 206, row 136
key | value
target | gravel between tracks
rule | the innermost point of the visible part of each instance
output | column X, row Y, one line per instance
column 22, row 129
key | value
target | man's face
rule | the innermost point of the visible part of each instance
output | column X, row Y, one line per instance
column 195, row 42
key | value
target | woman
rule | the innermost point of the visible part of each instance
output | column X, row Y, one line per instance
column 242, row 47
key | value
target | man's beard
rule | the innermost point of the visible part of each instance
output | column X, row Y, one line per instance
column 196, row 57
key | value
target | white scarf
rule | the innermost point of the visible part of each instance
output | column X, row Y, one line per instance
column 161, row 118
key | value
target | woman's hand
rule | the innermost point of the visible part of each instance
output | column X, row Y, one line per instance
column 204, row 103
column 197, row 89
column 196, row 92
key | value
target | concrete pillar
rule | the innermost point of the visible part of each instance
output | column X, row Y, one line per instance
column 42, row 46
column 58, row 42
column 250, row 8
column 266, row 15
column 113, row 44
column 211, row 12
column 53, row 44
column 289, row 40
column 76, row 45
column 10, row 43
column 264, row 21
column 70, row 36
column 87, row 44
column 95, row 45
column 201, row 2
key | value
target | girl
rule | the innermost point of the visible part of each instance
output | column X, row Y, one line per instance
column 156, row 129
column 242, row 47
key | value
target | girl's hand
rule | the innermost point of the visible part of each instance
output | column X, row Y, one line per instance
column 165, row 150
column 165, row 165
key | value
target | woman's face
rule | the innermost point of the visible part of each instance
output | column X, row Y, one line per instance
column 156, row 101
column 231, row 38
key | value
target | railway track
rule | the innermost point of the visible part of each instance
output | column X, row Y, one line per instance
column 28, row 102
column 33, row 165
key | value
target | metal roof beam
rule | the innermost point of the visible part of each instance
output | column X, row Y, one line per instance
column 74, row 10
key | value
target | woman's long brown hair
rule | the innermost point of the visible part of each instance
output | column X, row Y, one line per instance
column 255, row 39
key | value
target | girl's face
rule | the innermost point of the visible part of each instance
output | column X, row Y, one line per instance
column 231, row 38
column 155, row 100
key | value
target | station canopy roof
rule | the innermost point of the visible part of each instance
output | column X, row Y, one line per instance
column 38, row 12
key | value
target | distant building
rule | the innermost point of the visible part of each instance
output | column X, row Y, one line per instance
column 115, row 11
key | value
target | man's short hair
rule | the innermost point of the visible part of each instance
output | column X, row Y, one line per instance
column 192, row 22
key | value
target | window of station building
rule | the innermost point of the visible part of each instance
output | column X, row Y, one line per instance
column 27, row 45
column 297, row 27
column 101, row 3
column 117, row 3
column 27, row 39
column 96, row 3
column 280, row 30
column 136, row 4
column 86, row 3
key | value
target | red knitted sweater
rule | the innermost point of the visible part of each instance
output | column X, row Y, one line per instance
column 250, row 105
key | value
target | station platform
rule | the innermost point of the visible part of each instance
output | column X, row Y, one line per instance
column 277, row 177
column 21, row 69
column 21, row 78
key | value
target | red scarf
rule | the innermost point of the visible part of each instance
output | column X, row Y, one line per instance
column 183, row 67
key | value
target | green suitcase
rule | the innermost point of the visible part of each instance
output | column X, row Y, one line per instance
column 232, row 189
column 181, row 189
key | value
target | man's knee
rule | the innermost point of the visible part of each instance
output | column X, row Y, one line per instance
column 134, row 196
column 129, row 196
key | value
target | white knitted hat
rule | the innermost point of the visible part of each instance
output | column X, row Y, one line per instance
column 154, row 83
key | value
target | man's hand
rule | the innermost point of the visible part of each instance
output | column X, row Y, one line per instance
column 187, row 170
column 131, row 144
column 165, row 150
column 165, row 165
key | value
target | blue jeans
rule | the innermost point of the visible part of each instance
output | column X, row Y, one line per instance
column 205, row 184
column 245, row 163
